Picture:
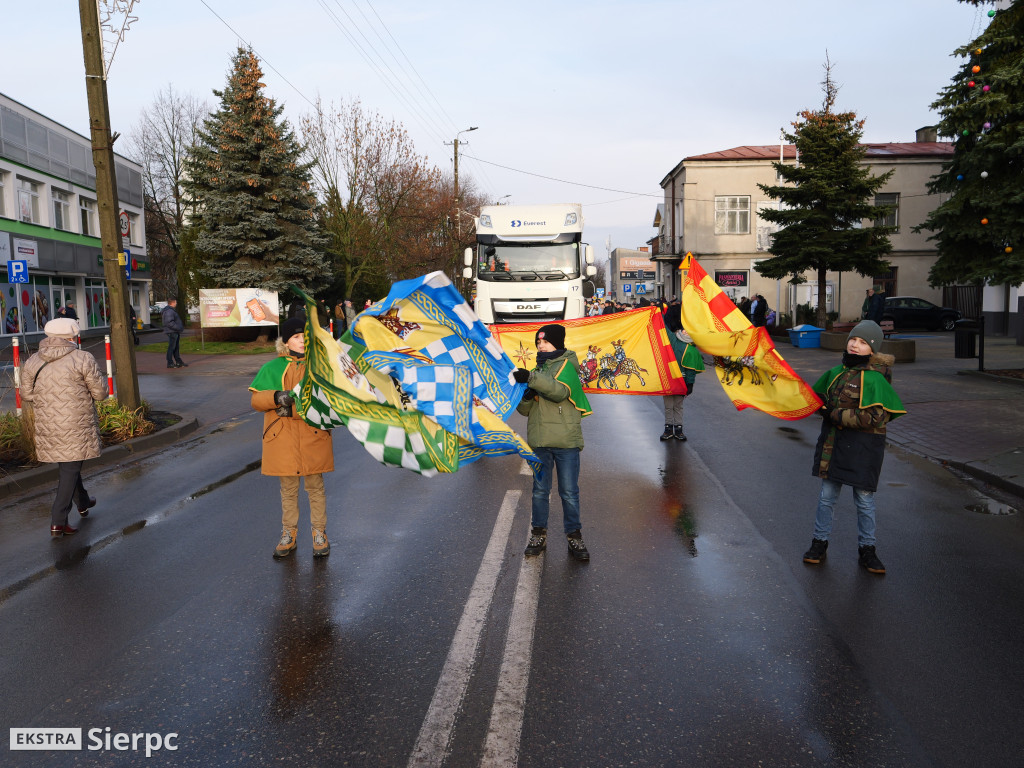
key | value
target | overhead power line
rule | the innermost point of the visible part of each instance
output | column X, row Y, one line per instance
column 565, row 181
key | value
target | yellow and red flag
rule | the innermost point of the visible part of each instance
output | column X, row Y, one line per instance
column 752, row 372
column 626, row 353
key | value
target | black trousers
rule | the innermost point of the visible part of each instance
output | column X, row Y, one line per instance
column 69, row 485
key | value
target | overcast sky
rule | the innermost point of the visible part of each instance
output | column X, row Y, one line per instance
column 603, row 97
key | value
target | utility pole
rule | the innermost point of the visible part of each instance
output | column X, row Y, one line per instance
column 122, row 348
column 458, row 208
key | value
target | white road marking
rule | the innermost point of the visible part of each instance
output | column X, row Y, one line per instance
column 525, row 469
column 501, row 749
column 435, row 735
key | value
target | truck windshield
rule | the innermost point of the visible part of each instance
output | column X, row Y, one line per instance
column 503, row 262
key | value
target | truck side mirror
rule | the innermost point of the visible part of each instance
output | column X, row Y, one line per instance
column 591, row 270
column 467, row 273
column 468, row 258
column 589, row 256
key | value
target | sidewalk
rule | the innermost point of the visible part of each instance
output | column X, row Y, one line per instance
column 971, row 421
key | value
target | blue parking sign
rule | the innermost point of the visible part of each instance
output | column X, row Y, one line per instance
column 17, row 271
column 627, row 288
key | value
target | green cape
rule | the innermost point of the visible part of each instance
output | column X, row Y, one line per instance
column 271, row 375
column 874, row 390
column 569, row 376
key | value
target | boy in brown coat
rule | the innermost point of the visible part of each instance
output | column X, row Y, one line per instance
column 291, row 448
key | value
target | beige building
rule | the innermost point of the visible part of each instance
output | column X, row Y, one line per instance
column 711, row 209
column 632, row 275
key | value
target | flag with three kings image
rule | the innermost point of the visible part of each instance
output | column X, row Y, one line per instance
column 626, row 353
column 418, row 380
column 752, row 372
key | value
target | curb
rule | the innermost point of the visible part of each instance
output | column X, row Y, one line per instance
column 113, row 454
column 997, row 481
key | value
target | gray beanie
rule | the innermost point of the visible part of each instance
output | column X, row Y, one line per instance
column 870, row 331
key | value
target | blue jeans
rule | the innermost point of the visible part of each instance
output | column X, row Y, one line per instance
column 173, row 356
column 865, row 503
column 566, row 462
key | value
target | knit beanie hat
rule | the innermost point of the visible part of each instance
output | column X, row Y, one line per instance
column 553, row 334
column 870, row 331
column 292, row 326
column 61, row 328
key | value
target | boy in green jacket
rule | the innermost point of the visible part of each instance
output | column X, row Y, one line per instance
column 554, row 406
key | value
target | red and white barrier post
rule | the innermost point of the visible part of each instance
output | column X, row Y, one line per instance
column 110, row 369
column 17, row 377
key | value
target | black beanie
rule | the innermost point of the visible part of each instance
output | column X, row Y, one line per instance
column 292, row 326
column 553, row 334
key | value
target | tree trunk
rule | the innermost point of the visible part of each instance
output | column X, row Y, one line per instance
column 822, row 321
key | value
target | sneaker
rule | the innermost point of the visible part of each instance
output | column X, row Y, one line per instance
column 57, row 531
column 538, row 541
column 816, row 553
column 84, row 510
column 870, row 560
column 679, row 433
column 287, row 543
column 667, row 434
column 576, row 546
column 321, row 546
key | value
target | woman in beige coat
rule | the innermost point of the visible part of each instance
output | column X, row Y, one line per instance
column 63, row 383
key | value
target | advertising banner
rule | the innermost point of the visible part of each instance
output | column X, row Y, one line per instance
column 237, row 307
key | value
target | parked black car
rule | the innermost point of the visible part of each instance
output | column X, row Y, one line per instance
column 910, row 312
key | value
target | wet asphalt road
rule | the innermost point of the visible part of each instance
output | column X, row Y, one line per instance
column 695, row 637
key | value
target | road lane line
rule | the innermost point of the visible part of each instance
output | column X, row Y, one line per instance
column 435, row 735
column 501, row 748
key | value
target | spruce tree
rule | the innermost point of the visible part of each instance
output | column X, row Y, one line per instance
column 828, row 195
column 255, row 224
column 979, row 228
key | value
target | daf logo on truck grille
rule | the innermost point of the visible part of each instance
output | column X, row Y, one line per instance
column 528, row 307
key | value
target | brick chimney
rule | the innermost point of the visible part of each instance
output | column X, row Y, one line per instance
column 928, row 133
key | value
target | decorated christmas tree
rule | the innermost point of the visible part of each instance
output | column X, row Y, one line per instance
column 255, row 224
column 979, row 227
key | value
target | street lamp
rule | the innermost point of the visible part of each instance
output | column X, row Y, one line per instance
column 503, row 197
column 456, row 145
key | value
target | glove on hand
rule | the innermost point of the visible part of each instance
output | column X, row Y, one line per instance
column 521, row 375
column 282, row 398
column 529, row 394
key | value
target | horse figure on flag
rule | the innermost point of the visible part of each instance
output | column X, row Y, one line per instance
column 733, row 369
column 613, row 366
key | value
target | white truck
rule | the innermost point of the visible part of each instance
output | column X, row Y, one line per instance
column 530, row 263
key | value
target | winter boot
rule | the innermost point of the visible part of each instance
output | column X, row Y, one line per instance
column 679, row 433
column 321, row 546
column 287, row 543
column 870, row 560
column 576, row 546
column 667, row 434
column 816, row 553
column 538, row 541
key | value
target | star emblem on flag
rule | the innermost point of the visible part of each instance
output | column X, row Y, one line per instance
column 522, row 355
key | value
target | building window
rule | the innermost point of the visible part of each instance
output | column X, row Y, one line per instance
column 87, row 209
column 3, row 193
column 134, row 233
column 61, row 209
column 891, row 199
column 732, row 215
column 28, row 200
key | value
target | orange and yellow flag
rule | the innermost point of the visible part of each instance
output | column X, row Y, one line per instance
column 627, row 353
column 751, row 370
